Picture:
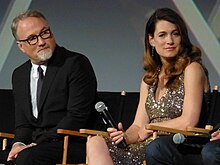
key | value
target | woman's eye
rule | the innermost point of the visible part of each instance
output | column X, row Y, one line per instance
column 176, row 33
column 161, row 35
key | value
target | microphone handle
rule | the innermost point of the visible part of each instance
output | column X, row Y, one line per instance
column 108, row 118
column 123, row 144
column 111, row 121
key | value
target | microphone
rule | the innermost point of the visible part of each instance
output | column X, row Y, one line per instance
column 193, row 141
column 108, row 120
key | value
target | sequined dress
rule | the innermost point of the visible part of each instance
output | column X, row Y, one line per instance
column 168, row 107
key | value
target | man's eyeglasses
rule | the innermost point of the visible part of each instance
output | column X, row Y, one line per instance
column 32, row 40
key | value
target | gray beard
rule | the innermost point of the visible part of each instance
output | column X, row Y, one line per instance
column 44, row 55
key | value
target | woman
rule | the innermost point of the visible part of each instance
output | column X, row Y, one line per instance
column 171, row 92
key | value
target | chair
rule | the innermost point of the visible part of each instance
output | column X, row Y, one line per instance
column 6, row 122
column 6, row 117
column 213, row 118
column 66, row 134
column 5, row 137
column 117, row 103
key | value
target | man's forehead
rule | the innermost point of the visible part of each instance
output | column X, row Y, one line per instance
column 31, row 25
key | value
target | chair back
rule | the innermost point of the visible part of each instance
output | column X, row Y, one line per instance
column 7, row 117
column 121, row 105
column 214, row 111
column 213, row 117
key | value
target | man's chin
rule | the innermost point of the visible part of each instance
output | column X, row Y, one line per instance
column 44, row 55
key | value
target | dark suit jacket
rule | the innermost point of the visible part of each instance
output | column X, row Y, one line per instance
column 67, row 98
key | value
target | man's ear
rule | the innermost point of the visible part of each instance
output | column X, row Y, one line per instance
column 20, row 46
column 151, row 40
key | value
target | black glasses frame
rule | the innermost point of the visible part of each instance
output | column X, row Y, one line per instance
column 32, row 40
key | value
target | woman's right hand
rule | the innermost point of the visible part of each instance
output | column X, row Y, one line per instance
column 116, row 135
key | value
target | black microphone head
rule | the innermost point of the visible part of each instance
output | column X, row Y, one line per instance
column 178, row 138
column 100, row 106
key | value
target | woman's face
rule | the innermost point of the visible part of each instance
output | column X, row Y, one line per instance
column 166, row 40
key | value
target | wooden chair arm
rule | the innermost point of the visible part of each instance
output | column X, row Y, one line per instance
column 66, row 134
column 166, row 129
column 7, row 135
column 198, row 130
column 83, row 133
column 93, row 132
column 70, row 132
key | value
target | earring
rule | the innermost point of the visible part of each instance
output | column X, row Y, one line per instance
column 152, row 51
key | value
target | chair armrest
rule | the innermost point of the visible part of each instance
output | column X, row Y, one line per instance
column 66, row 134
column 7, row 135
column 70, row 132
column 83, row 133
column 197, row 130
column 93, row 132
column 166, row 129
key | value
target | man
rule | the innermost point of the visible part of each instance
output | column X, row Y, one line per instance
column 211, row 151
column 163, row 151
column 66, row 99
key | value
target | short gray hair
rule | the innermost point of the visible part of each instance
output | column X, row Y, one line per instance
column 23, row 15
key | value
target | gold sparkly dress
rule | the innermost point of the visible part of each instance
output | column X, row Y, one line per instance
column 168, row 107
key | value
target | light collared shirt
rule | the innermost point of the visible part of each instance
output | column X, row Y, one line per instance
column 33, row 86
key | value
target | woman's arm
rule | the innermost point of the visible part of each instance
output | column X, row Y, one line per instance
column 133, row 133
column 136, row 131
column 195, row 83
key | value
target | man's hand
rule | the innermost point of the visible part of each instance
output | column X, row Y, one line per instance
column 215, row 135
column 16, row 148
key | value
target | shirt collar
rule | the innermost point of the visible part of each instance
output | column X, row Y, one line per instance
column 34, row 69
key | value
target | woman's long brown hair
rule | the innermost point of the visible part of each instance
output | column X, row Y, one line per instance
column 188, row 53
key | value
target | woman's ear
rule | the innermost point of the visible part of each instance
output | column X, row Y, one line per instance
column 151, row 40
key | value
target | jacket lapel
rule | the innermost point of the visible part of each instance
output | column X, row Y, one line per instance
column 52, row 67
column 48, row 80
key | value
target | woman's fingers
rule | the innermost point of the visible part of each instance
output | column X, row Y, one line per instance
column 119, row 140
column 116, row 135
